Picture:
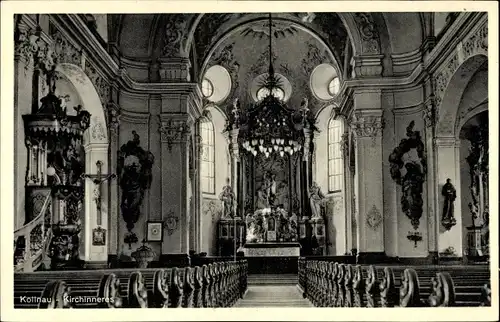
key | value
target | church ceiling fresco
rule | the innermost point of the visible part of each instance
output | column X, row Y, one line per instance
column 242, row 48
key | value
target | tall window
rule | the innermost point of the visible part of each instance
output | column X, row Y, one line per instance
column 335, row 162
column 208, row 157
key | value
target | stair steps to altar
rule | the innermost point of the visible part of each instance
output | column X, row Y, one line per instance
column 273, row 279
column 273, row 296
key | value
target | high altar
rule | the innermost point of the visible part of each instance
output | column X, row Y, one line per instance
column 277, row 207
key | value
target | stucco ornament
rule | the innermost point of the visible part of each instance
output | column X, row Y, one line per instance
column 374, row 218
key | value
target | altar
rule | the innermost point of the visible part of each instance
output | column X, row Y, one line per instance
column 272, row 206
column 289, row 249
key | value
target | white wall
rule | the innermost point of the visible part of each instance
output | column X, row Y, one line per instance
column 222, row 171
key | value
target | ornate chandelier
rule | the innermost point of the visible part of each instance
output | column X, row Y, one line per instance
column 270, row 126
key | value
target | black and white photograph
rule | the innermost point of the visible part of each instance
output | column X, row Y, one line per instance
column 251, row 157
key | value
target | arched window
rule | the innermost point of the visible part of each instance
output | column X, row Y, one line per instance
column 335, row 162
column 207, row 157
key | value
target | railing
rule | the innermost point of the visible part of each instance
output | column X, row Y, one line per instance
column 31, row 241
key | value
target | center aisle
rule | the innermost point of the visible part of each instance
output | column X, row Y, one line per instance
column 273, row 296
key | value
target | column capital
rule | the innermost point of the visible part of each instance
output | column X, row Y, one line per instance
column 175, row 129
column 367, row 123
column 446, row 142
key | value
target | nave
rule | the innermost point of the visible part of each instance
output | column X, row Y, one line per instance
column 227, row 284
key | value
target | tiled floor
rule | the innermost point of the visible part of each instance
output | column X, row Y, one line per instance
column 273, row 296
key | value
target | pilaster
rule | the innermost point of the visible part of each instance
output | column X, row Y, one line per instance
column 95, row 252
column 432, row 203
column 367, row 127
column 114, row 211
column 175, row 131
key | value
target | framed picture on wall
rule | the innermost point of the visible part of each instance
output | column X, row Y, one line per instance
column 99, row 236
column 155, row 231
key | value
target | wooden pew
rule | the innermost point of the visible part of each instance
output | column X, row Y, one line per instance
column 345, row 285
column 215, row 285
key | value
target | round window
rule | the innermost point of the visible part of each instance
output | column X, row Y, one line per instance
column 334, row 86
column 207, row 88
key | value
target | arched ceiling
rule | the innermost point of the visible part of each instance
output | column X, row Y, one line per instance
column 138, row 35
column 239, row 41
column 244, row 52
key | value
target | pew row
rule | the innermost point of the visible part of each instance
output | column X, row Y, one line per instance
column 215, row 285
column 329, row 284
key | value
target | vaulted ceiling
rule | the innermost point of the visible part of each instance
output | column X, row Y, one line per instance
column 239, row 41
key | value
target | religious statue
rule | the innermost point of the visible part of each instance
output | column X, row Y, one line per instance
column 255, row 227
column 411, row 200
column 51, row 79
column 227, row 197
column 316, row 199
column 72, row 165
column 270, row 188
column 262, row 201
column 450, row 194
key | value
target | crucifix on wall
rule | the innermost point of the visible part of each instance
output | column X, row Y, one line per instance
column 98, row 180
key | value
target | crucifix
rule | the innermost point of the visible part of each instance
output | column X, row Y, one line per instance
column 98, row 180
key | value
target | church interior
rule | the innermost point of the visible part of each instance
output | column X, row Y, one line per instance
column 195, row 160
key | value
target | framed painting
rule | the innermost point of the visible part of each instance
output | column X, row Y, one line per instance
column 99, row 236
column 154, row 231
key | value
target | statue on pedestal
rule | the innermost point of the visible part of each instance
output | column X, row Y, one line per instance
column 270, row 188
column 450, row 194
column 227, row 197
column 316, row 199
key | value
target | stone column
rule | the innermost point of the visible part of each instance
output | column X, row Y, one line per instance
column 113, row 195
column 447, row 166
column 367, row 126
